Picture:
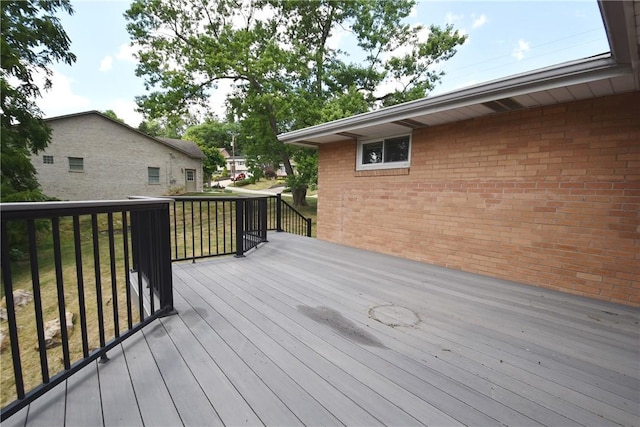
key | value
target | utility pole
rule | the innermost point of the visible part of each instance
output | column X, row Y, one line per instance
column 233, row 158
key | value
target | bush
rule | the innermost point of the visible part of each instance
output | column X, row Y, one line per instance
column 242, row 182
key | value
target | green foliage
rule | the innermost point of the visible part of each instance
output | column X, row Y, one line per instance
column 112, row 115
column 32, row 39
column 279, row 56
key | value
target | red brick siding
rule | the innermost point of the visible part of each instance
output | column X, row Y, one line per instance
column 546, row 196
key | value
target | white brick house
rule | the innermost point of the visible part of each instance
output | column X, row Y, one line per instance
column 92, row 156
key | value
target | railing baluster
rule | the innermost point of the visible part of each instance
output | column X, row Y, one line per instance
column 80, row 279
column 11, row 311
column 57, row 255
column 175, row 228
column 114, row 278
column 125, row 245
column 184, row 230
column 98, row 276
column 209, row 224
column 37, row 298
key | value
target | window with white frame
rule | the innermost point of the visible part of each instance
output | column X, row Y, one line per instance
column 387, row 153
column 76, row 164
column 47, row 160
column 154, row 175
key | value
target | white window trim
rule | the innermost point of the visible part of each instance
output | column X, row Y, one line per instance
column 149, row 175
column 375, row 166
column 76, row 170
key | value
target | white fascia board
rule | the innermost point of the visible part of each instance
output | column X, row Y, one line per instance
column 575, row 72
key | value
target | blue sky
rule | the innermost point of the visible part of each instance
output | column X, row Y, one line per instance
column 505, row 38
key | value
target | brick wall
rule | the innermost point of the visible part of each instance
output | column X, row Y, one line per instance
column 115, row 161
column 547, row 196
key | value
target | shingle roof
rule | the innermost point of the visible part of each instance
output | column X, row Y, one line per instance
column 187, row 146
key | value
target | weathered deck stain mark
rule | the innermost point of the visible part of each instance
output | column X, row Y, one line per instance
column 394, row 315
column 336, row 321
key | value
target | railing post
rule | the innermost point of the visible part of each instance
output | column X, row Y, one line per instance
column 278, row 212
column 166, row 276
column 262, row 203
column 239, row 228
column 308, row 227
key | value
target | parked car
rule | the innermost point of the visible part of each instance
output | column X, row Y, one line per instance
column 239, row 177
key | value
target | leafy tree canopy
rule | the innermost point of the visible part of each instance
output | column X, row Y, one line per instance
column 281, row 59
column 112, row 115
column 210, row 137
column 32, row 39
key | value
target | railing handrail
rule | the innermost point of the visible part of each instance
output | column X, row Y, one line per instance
column 85, row 206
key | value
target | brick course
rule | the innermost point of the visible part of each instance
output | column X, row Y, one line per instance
column 546, row 196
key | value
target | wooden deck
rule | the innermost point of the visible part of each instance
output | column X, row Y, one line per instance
column 306, row 332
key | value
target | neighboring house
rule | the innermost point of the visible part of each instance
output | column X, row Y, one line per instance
column 92, row 156
column 237, row 163
column 533, row 178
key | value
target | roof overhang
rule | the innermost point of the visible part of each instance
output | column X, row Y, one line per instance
column 607, row 74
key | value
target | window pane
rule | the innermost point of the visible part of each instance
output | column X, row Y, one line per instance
column 76, row 163
column 190, row 175
column 154, row 175
column 47, row 160
column 396, row 149
column 372, row 153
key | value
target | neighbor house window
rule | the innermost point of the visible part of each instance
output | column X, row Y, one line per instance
column 154, row 175
column 385, row 153
column 47, row 160
column 76, row 164
column 191, row 175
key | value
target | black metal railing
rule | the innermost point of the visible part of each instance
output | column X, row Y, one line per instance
column 203, row 227
column 290, row 220
column 72, row 260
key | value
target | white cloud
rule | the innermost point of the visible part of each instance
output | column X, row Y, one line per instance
column 479, row 21
column 60, row 99
column 128, row 53
column 106, row 64
column 126, row 110
column 519, row 51
column 450, row 18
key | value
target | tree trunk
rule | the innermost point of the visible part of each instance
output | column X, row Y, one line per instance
column 299, row 196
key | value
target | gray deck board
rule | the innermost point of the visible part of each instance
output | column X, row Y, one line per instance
column 284, row 336
column 84, row 406
column 156, row 405
column 119, row 403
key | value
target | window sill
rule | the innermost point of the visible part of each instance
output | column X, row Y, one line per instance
column 76, row 171
column 383, row 172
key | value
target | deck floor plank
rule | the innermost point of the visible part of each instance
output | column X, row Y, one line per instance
column 230, row 406
column 286, row 336
column 154, row 400
column 119, row 401
column 84, row 405
column 445, row 373
column 49, row 409
column 187, row 394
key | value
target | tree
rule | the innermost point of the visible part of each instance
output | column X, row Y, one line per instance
column 210, row 136
column 112, row 115
column 32, row 39
column 278, row 54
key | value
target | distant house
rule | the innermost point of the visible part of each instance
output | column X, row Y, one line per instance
column 233, row 164
column 533, row 178
column 92, row 156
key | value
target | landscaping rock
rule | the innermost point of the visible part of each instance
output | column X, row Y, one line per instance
column 3, row 314
column 53, row 332
column 3, row 341
column 21, row 297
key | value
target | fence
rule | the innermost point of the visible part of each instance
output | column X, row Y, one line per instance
column 204, row 227
column 66, row 261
